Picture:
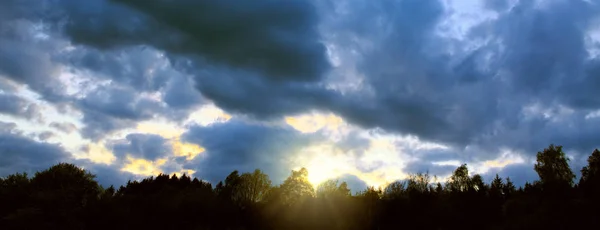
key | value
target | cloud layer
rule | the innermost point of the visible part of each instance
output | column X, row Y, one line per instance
column 416, row 85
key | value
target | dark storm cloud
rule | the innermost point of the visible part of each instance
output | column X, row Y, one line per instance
column 240, row 53
column 237, row 145
column 247, row 93
column 180, row 93
column 146, row 146
column 274, row 39
column 473, row 98
column 21, row 154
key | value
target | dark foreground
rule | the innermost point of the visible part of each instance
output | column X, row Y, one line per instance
column 67, row 197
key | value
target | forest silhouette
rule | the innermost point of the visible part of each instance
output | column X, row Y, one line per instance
column 65, row 196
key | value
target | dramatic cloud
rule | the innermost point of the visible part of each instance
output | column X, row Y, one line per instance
column 279, row 41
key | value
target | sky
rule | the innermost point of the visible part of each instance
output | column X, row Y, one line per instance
column 358, row 90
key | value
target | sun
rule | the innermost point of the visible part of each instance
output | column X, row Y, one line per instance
column 318, row 174
column 323, row 162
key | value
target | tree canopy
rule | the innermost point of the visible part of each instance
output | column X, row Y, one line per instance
column 65, row 196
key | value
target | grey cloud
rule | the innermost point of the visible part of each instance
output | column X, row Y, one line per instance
column 17, row 106
column 43, row 136
column 22, row 47
column 65, row 127
column 98, row 125
column 30, row 36
column 109, row 108
column 237, row 145
column 131, row 71
column 426, row 166
column 497, row 5
column 7, row 127
column 21, row 154
column 474, row 99
column 118, row 103
column 353, row 142
column 12, row 104
column 142, row 68
column 6, row 87
column 437, row 155
column 146, row 146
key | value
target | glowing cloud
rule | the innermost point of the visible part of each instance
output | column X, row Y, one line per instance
column 143, row 167
column 207, row 115
column 163, row 129
column 97, row 153
column 188, row 150
column 314, row 122
column 506, row 158
column 173, row 133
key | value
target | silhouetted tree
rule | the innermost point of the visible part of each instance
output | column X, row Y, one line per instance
column 395, row 190
column 478, row 185
column 418, row 183
column 297, row 187
column 14, row 192
column 332, row 188
column 460, row 180
column 590, row 175
column 67, row 197
column 253, row 186
column 496, row 187
column 553, row 168
column 65, row 185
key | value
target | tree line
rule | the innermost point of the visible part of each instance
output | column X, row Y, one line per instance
column 65, row 196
